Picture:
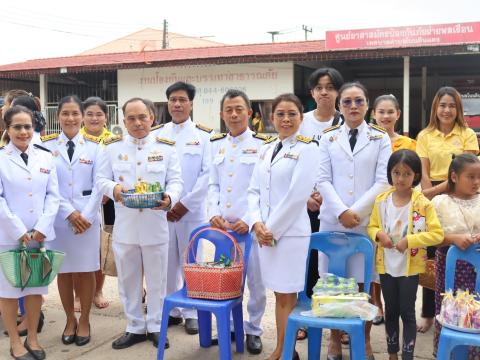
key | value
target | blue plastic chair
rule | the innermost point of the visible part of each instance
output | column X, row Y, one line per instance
column 453, row 340
column 205, row 308
column 338, row 246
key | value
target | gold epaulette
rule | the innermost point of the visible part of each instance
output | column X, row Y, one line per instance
column 156, row 127
column 304, row 139
column 49, row 137
column 165, row 141
column 112, row 139
column 379, row 128
column 218, row 136
column 271, row 139
column 331, row 128
column 261, row 136
column 204, row 128
column 92, row 138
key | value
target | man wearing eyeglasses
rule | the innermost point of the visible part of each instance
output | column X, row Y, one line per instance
column 192, row 142
column 125, row 161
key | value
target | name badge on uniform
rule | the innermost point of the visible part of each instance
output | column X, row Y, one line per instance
column 249, row 151
column 375, row 137
column 221, row 151
column 45, row 171
column 85, row 161
column 155, row 158
column 193, row 143
column 123, row 157
column 291, row 156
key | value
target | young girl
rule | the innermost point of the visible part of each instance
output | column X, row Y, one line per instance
column 386, row 111
column 458, row 212
column 403, row 223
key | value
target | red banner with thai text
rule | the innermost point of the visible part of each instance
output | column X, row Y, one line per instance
column 405, row 36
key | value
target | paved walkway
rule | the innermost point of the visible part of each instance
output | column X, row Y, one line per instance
column 110, row 323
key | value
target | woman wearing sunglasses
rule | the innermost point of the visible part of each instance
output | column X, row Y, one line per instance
column 353, row 171
column 29, row 201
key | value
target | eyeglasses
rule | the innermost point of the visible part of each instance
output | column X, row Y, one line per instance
column 358, row 102
column 19, row 127
column 181, row 100
column 291, row 115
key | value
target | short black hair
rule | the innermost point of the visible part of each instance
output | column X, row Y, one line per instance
column 233, row 93
column 333, row 74
column 180, row 85
column 459, row 162
column 134, row 99
column 409, row 158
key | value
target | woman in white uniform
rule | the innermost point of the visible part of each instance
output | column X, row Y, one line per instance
column 78, row 221
column 281, row 184
column 29, row 201
column 353, row 171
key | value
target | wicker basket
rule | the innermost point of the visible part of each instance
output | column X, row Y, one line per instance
column 429, row 278
column 142, row 201
column 214, row 283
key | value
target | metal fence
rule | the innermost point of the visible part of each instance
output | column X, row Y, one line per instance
column 53, row 125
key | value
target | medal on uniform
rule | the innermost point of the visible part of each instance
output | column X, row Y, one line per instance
column 193, row 143
column 291, row 156
column 249, row 151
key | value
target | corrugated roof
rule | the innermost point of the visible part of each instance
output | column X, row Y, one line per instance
column 129, row 59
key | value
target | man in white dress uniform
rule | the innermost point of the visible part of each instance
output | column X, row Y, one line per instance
column 234, row 156
column 192, row 142
column 140, row 236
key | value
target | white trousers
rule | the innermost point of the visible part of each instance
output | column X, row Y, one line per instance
column 129, row 260
column 179, row 233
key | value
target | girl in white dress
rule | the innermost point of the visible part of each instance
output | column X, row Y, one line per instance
column 281, row 184
column 29, row 201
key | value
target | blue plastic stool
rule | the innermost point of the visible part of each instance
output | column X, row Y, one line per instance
column 453, row 340
column 205, row 308
column 338, row 246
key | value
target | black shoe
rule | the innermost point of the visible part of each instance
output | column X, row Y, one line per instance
column 23, row 332
column 215, row 338
column 26, row 356
column 153, row 337
column 254, row 344
column 83, row 340
column 191, row 326
column 172, row 320
column 37, row 354
column 69, row 339
column 127, row 340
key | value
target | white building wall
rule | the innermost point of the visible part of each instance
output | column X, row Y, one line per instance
column 263, row 81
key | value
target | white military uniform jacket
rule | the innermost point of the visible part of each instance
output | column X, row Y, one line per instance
column 193, row 147
column 352, row 180
column 76, row 178
column 128, row 160
column 233, row 161
column 29, row 197
column 279, row 190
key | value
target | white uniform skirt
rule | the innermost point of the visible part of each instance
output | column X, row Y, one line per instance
column 8, row 291
column 82, row 252
column 355, row 264
column 283, row 265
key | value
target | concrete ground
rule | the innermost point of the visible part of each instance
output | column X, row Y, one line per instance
column 108, row 324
